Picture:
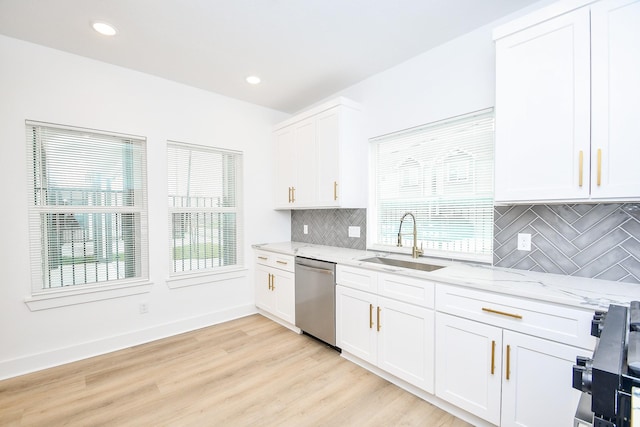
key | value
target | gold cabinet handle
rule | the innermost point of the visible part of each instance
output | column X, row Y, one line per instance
column 264, row 258
column 269, row 281
column 335, row 190
column 289, row 194
column 493, row 357
column 273, row 282
column 370, row 316
column 282, row 262
column 599, row 179
column 508, row 370
column 502, row 313
column 378, row 319
column 580, row 168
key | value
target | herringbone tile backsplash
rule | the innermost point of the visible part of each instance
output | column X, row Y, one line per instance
column 599, row 241
column 330, row 227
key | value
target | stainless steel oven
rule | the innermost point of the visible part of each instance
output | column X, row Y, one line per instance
column 316, row 298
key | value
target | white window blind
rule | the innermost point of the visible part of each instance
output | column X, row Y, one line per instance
column 443, row 174
column 205, row 208
column 88, row 207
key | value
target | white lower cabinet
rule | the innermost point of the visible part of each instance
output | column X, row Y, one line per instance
column 275, row 286
column 533, row 396
column 468, row 361
column 503, row 359
column 393, row 335
column 504, row 376
column 405, row 342
column 355, row 323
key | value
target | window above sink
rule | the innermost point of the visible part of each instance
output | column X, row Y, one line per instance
column 442, row 173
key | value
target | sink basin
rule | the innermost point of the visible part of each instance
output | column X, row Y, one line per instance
column 404, row 264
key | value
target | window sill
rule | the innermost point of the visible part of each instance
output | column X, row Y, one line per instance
column 202, row 278
column 66, row 297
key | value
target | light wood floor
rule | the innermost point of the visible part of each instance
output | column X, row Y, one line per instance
column 247, row 372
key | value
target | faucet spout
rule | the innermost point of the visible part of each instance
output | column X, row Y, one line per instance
column 415, row 252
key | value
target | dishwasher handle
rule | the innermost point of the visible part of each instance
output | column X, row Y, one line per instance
column 318, row 270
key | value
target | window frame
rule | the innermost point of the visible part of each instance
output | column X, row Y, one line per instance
column 40, row 297
column 373, row 214
column 211, row 274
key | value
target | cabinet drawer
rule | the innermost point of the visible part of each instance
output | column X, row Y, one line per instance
column 357, row 278
column 407, row 289
column 275, row 260
column 546, row 320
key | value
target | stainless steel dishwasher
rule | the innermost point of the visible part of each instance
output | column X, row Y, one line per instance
column 316, row 298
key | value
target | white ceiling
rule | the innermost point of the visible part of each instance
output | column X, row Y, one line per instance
column 304, row 50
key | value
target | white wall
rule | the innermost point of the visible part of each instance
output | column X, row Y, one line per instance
column 39, row 83
column 455, row 78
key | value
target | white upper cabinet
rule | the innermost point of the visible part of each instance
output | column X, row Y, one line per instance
column 328, row 158
column 615, row 97
column 303, row 188
column 565, row 92
column 542, row 110
column 321, row 158
column 286, row 174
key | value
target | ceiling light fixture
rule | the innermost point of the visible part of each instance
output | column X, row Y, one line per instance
column 253, row 80
column 104, row 28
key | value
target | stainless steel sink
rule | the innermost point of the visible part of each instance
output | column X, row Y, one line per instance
column 404, row 264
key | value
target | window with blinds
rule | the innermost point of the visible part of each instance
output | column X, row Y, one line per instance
column 205, row 208
column 88, row 207
column 443, row 174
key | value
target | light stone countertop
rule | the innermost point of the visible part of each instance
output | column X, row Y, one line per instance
column 566, row 290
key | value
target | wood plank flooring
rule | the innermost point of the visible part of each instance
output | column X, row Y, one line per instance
column 247, row 372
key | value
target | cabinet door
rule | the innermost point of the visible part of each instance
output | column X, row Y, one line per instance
column 286, row 167
column 468, row 365
column 542, row 111
column 405, row 342
column 539, row 386
column 615, row 29
column 328, row 146
column 305, row 163
column 356, row 323
column 283, row 287
column 265, row 298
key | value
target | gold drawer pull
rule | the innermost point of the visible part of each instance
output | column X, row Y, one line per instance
column 282, row 262
column 273, row 282
column 264, row 258
column 379, row 310
column 580, row 160
column 293, row 194
column 289, row 194
column 508, row 373
column 335, row 190
column 502, row 313
column 599, row 166
column 493, row 357
column 370, row 316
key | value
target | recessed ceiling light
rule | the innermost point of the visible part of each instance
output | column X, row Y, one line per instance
column 104, row 28
column 254, row 80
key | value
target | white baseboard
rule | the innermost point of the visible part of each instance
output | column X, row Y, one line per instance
column 48, row 359
column 278, row 320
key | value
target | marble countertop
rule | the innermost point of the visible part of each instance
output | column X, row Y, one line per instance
column 567, row 290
